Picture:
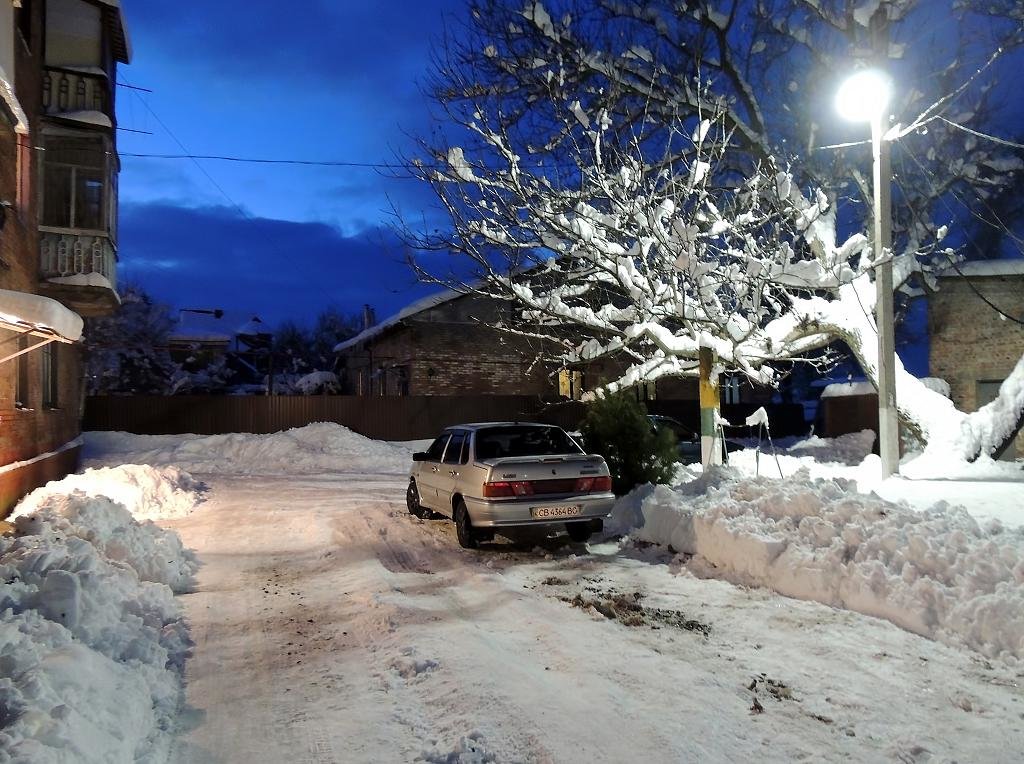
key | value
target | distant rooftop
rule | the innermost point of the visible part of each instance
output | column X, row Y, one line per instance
column 1002, row 267
column 424, row 303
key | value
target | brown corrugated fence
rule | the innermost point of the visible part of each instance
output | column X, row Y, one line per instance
column 384, row 418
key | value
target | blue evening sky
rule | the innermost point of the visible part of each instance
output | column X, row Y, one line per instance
column 321, row 80
column 318, row 80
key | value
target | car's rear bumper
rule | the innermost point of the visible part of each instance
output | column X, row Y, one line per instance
column 499, row 514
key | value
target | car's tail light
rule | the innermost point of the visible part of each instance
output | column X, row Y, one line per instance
column 593, row 484
column 501, row 488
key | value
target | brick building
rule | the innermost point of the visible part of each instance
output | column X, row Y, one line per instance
column 973, row 347
column 58, row 244
column 445, row 344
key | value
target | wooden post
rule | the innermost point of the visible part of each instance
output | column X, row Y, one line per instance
column 710, row 443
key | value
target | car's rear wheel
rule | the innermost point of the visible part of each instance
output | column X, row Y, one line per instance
column 464, row 529
column 579, row 532
column 412, row 501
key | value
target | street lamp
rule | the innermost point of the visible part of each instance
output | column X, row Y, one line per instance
column 864, row 98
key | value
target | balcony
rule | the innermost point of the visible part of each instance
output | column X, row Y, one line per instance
column 81, row 94
column 79, row 270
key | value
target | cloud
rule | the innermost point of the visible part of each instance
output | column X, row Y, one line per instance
column 324, row 40
column 215, row 257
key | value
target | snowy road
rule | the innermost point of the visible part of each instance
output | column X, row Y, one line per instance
column 330, row 626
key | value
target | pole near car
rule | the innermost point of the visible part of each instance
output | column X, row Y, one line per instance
column 710, row 443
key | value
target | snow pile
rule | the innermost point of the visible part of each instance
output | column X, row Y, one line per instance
column 315, row 448
column 848, row 449
column 148, row 493
column 848, row 456
column 155, row 554
column 92, row 641
column 936, row 573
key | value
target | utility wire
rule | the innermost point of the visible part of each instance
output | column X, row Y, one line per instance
column 241, row 211
column 260, row 160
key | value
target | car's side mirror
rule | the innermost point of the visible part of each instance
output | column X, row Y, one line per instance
column 419, row 456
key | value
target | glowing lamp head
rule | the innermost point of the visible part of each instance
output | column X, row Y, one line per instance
column 863, row 96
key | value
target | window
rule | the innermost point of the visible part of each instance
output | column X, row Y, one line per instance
column 436, row 449
column 730, row 389
column 21, row 384
column 453, row 454
column 74, row 33
column 523, row 440
column 75, row 180
column 49, row 369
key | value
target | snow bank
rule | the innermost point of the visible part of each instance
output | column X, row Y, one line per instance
column 315, row 448
column 92, row 641
column 936, row 573
column 148, row 493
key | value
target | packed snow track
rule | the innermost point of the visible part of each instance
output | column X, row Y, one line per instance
column 330, row 626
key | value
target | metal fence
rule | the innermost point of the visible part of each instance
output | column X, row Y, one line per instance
column 384, row 418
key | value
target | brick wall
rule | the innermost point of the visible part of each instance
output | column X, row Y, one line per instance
column 28, row 432
column 970, row 342
column 449, row 359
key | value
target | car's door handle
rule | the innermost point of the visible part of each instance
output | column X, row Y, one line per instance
column 434, row 469
column 453, row 473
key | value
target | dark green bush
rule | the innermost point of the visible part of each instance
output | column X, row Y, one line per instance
column 617, row 428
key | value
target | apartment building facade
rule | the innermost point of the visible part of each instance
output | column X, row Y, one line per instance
column 58, row 222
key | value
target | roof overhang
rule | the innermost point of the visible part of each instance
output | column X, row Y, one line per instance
column 113, row 19
column 39, row 316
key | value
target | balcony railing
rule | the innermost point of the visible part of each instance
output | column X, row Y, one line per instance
column 72, row 254
column 69, row 90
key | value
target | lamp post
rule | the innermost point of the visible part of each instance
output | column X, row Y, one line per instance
column 864, row 98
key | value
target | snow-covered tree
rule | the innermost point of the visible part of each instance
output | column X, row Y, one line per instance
column 126, row 353
column 623, row 175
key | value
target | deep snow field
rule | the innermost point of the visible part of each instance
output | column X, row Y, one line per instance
column 307, row 617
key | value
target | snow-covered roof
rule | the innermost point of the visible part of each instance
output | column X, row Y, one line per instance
column 424, row 303
column 845, row 389
column 1004, row 267
column 23, row 311
column 84, row 279
column 202, row 327
column 87, row 117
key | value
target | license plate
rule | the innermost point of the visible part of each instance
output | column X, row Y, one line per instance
column 565, row 511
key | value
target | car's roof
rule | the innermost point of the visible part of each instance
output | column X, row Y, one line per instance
column 482, row 425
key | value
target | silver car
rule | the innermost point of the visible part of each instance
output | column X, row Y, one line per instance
column 504, row 474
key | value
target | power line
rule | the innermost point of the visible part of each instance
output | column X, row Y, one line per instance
column 241, row 211
column 262, row 160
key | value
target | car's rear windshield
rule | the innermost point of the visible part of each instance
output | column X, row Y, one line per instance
column 523, row 440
